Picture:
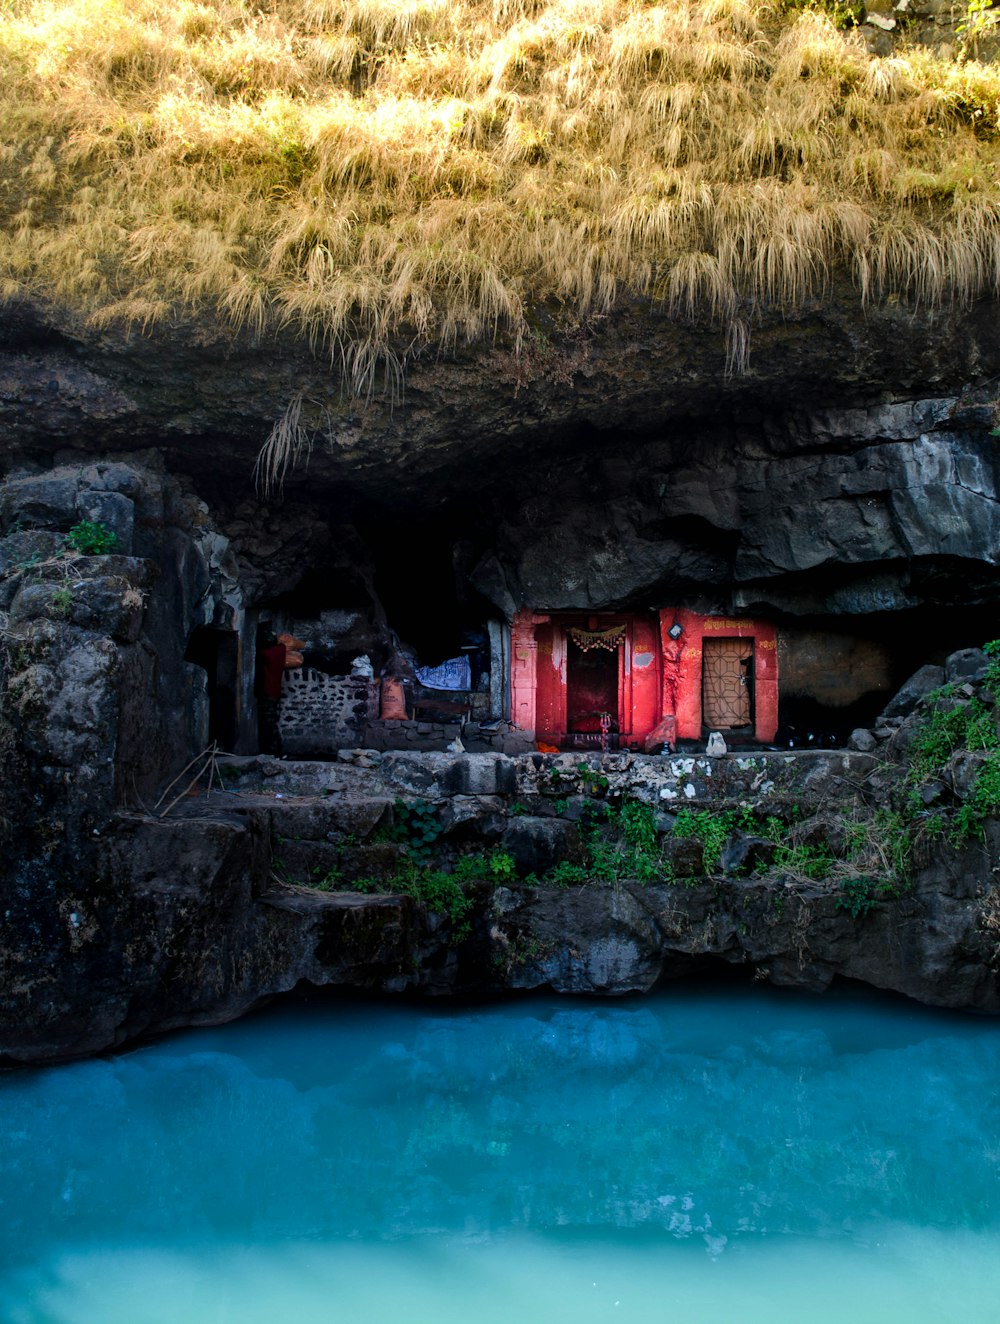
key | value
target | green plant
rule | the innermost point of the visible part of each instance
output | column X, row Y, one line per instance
column 950, row 724
column 416, row 824
column 638, row 824
column 592, row 782
column 92, row 538
column 501, row 866
column 565, row 874
column 622, row 843
column 842, row 13
column 983, row 801
column 517, row 809
column 330, row 881
column 807, row 861
column 712, row 829
column 859, row 895
column 438, row 891
column 62, row 600
column 980, row 18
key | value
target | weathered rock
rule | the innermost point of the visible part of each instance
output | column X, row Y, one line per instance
column 745, row 853
column 685, row 855
column 862, row 740
column 920, row 684
column 968, row 664
column 711, row 489
column 963, row 770
column 538, row 844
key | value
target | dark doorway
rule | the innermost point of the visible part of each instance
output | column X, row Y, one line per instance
column 217, row 651
column 591, row 688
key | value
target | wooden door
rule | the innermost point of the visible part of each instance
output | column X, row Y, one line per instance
column 727, row 684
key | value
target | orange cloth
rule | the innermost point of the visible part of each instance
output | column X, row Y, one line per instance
column 293, row 649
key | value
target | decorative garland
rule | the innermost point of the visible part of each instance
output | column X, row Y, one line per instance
column 589, row 639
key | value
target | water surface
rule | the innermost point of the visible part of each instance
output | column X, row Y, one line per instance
column 720, row 1156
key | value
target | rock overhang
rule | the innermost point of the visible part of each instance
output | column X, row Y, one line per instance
column 850, row 474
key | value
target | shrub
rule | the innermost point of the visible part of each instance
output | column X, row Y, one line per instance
column 92, row 538
column 416, row 824
column 713, row 830
column 860, row 895
column 438, row 891
column 638, row 823
column 813, row 862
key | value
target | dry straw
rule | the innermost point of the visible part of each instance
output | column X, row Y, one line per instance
column 382, row 173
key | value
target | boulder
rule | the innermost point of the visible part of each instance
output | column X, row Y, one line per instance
column 538, row 844
column 968, row 664
column 861, row 740
column 745, row 853
column 920, row 684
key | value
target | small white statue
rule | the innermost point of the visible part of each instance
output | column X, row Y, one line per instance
column 362, row 666
column 716, row 746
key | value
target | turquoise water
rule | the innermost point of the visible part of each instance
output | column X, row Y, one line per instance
column 727, row 1156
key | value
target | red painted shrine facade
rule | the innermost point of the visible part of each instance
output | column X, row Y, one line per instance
column 675, row 675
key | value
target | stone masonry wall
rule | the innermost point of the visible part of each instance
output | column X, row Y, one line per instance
column 321, row 713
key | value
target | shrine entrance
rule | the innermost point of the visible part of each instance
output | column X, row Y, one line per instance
column 594, row 668
column 656, row 676
column 727, row 684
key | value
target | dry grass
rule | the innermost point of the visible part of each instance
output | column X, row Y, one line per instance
column 284, row 448
column 382, row 173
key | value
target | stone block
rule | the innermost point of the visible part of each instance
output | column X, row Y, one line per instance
column 46, row 502
column 481, row 774
column 685, row 855
column 305, row 862
column 376, row 859
column 744, row 854
column 538, row 844
column 19, row 551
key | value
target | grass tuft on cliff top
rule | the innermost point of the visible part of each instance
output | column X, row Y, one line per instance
column 382, row 173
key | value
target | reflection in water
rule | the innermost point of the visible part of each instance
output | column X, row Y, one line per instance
column 707, row 1156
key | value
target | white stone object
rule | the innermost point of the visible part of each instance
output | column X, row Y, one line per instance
column 716, row 746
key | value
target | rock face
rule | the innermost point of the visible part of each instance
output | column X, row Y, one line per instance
column 849, row 470
column 850, row 475
column 236, row 896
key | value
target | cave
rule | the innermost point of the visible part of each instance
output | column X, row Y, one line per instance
column 770, row 573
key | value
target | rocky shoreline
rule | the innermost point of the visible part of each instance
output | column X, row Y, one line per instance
column 227, row 902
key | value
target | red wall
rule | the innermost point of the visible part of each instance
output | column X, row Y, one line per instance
column 661, row 676
column 550, row 692
column 646, row 677
column 539, row 646
column 682, row 668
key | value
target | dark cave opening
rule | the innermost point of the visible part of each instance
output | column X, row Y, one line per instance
column 838, row 673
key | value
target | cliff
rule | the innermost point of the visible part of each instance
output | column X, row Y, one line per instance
column 387, row 323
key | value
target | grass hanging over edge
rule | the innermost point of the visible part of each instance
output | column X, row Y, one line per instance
column 379, row 175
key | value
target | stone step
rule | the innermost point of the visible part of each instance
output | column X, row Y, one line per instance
column 365, row 777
